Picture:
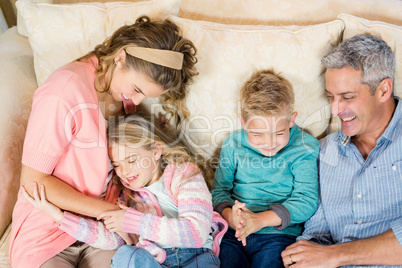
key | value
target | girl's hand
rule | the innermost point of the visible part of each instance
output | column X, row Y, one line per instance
column 113, row 220
column 41, row 203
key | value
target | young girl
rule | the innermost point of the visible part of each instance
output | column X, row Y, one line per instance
column 169, row 204
column 65, row 145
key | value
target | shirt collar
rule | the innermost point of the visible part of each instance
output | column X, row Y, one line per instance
column 394, row 127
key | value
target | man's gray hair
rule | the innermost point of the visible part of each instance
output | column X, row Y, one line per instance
column 367, row 53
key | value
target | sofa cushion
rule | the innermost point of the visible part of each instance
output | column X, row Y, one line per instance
column 229, row 54
column 4, row 248
column 391, row 34
column 279, row 12
column 61, row 33
column 17, row 87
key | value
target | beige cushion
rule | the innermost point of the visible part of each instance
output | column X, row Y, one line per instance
column 229, row 54
column 279, row 12
column 4, row 248
column 391, row 34
column 59, row 34
column 17, row 87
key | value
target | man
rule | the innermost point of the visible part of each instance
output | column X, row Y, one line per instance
column 359, row 218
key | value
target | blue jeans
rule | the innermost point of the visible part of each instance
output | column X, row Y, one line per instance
column 261, row 250
column 131, row 257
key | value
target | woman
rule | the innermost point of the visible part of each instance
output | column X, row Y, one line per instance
column 65, row 147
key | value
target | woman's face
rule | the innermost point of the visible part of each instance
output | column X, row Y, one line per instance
column 128, row 84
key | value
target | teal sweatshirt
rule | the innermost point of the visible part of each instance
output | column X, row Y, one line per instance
column 286, row 183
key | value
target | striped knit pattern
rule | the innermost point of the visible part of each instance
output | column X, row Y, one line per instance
column 92, row 232
column 359, row 198
column 188, row 190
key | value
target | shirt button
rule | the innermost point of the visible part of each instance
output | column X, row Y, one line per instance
column 359, row 195
column 359, row 222
column 394, row 168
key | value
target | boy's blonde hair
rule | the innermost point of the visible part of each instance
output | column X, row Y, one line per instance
column 265, row 94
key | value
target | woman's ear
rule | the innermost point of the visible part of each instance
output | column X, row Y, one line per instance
column 120, row 58
column 158, row 151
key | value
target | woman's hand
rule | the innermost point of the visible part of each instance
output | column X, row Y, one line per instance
column 164, row 122
column 113, row 220
column 40, row 202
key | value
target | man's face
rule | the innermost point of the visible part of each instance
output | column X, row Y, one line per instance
column 352, row 101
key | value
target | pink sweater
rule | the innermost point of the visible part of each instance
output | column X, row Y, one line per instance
column 66, row 137
column 188, row 190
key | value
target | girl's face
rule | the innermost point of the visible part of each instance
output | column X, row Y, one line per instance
column 128, row 84
column 137, row 167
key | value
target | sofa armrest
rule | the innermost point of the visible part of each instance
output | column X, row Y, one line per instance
column 17, row 85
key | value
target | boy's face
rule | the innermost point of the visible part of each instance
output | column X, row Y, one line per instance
column 269, row 134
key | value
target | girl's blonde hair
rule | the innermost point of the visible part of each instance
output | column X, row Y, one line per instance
column 139, row 131
column 265, row 94
column 150, row 34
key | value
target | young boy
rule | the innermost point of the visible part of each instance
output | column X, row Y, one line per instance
column 266, row 183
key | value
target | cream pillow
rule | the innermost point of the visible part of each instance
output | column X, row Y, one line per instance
column 279, row 12
column 59, row 34
column 229, row 54
column 391, row 34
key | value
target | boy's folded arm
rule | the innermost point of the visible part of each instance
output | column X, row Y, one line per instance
column 304, row 199
column 281, row 212
column 221, row 206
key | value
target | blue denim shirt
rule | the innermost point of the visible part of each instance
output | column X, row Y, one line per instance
column 287, row 180
column 359, row 198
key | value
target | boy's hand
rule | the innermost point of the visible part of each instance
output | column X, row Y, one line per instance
column 113, row 220
column 231, row 215
column 236, row 213
column 40, row 202
column 250, row 223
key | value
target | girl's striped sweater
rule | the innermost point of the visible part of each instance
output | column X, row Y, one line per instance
column 191, row 229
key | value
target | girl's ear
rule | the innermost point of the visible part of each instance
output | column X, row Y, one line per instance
column 158, row 151
column 120, row 58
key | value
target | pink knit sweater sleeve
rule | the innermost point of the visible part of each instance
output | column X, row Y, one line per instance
column 90, row 231
column 192, row 226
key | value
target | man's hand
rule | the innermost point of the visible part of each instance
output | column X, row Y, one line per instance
column 310, row 255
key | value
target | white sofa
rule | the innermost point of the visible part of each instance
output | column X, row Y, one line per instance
column 233, row 38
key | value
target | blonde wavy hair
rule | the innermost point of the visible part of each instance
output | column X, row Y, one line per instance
column 138, row 130
column 145, row 33
column 265, row 94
